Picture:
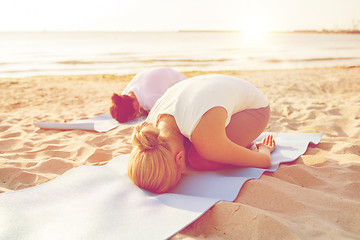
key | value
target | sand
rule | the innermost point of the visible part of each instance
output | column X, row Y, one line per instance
column 315, row 197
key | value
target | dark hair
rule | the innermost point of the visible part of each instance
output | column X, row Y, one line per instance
column 122, row 108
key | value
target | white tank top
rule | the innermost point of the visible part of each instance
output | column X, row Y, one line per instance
column 189, row 100
column 149, row 85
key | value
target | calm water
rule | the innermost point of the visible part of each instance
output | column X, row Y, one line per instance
column 28, row 54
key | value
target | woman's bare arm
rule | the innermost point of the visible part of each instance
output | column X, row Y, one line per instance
column 210, row 140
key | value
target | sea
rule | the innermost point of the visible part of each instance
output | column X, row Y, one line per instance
column 74, row 53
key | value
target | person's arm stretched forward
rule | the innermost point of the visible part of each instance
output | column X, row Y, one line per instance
column 211, row 142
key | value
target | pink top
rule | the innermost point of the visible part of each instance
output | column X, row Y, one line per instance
column 149, row 85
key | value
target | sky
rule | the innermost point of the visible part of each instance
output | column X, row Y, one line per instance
column 173, row 15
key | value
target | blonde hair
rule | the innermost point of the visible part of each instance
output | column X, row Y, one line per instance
column 151, row 166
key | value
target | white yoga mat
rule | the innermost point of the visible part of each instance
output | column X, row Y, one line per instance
column 100, row 202
column 100, row 123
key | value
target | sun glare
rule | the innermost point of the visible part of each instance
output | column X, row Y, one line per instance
column 254, row 29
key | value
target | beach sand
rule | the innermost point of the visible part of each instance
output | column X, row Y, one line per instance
column 315, row 197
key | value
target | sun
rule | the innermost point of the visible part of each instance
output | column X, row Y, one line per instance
column 254, row 28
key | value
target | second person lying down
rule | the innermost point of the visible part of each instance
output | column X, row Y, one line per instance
column 142, row 92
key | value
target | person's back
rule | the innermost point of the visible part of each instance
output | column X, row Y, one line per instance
column 149, row 85
column 190, row 99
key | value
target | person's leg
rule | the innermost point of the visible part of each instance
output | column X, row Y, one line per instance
column 244, row 127
column 247, row 125
column 197, row 162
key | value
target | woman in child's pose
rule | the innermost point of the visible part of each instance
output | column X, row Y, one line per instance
column 207, row 122
column 142, row 92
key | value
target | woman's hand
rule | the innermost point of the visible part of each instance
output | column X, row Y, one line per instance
column 267, row 142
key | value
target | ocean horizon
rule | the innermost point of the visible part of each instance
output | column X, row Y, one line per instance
column 75, row 53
